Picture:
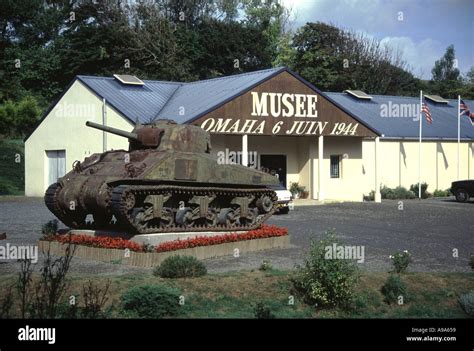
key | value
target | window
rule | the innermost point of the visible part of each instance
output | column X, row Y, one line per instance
column 335, row 166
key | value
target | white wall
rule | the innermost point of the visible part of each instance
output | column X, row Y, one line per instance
column 64, row 129
column 399, row 163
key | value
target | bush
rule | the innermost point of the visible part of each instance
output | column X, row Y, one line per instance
column 50, row 227
column 151, row 301
column 441, row 193
column 424, row 187
column 180, row 267
column 398, row 193
column 393, row 288
column 325, row 282
column 263, row 312
column 400, row 261
column 467, row 303
column 266, row 265
column 296, row 189
column 471, row 261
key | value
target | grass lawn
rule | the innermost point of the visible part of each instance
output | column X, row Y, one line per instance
column 12, row 173
column 234, row 295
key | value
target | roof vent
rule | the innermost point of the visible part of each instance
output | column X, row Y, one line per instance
column 436, row 98
column 359, row 94
column 128, row 79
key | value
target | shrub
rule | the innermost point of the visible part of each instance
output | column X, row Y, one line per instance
column 180, row 267
column 400, row 261
column 261, row 311
column 441, row 193
column 325, row 282
column 424, row 187
column 391, row 194
column 370, row 197
column 467, row 303
column 266, row 265
column 393, row 288
column 50, row 227
column 471, row 261
column 151, row 301
column 296, row 189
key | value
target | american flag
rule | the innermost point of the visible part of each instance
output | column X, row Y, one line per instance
column 426, row 110
column 464, row 110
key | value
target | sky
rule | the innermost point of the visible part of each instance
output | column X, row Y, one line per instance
column 426, row 28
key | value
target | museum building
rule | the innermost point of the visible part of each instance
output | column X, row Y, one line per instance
column 337, row 145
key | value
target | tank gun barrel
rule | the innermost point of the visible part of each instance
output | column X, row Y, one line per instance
column 123, row 133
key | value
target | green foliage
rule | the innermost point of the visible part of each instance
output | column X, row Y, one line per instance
column 441, row 193
column 467, row 303
column 393, row 289
column 325, row 282
column 261, row 311
column 424, row 187
column 400, row 261
column 12, row 167
column 151, row 301
column 444, row 68
column 398, row 193
column 17, row 119
column 266, row 265
column 335, row 59
column 50, row 227
column 296, row 189
column 180, row 267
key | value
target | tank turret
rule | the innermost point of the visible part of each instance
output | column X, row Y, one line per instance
column 166, row 181
column 163, row 135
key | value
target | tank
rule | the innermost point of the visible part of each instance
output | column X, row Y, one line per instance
column 167, row 181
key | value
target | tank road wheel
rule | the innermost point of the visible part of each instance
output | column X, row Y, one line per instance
column 167, row 218
column 227, row 217
column 141, row 217
column 185, row 217
column 251, row 217
column 211, row 218
column 264, row 204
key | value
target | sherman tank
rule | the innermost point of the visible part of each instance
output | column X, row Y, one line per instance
column 167, row 181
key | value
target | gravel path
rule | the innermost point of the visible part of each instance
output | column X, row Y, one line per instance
column 430, row 230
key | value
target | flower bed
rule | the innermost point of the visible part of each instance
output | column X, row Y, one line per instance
column 265, row 231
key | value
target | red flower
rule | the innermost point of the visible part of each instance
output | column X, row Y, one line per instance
column 265, row 231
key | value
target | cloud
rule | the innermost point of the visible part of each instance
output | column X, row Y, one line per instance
column 420, row 55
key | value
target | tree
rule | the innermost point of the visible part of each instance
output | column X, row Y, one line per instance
column 445, row 68
column 335, row 59
column 446, row 78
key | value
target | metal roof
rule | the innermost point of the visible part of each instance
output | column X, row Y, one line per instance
column 381, row 113
column 134, row 102
column 185, row 102
column 181, row 102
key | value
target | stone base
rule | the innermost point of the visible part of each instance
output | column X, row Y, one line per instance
column 152, row 259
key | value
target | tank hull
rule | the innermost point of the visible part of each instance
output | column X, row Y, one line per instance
column 148, row 191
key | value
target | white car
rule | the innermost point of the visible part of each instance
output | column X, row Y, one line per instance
column 285, row 199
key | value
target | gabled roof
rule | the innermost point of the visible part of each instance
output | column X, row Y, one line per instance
column 444, row 116
column 185, row 102
column 181, row 102
column 134, row 102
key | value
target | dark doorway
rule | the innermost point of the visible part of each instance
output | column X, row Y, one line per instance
column 275, row 164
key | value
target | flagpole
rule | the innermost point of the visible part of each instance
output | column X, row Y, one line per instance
column 459, row 129
column 419, row 147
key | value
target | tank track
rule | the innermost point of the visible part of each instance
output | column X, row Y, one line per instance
column 51, row 201
column 122, row 209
